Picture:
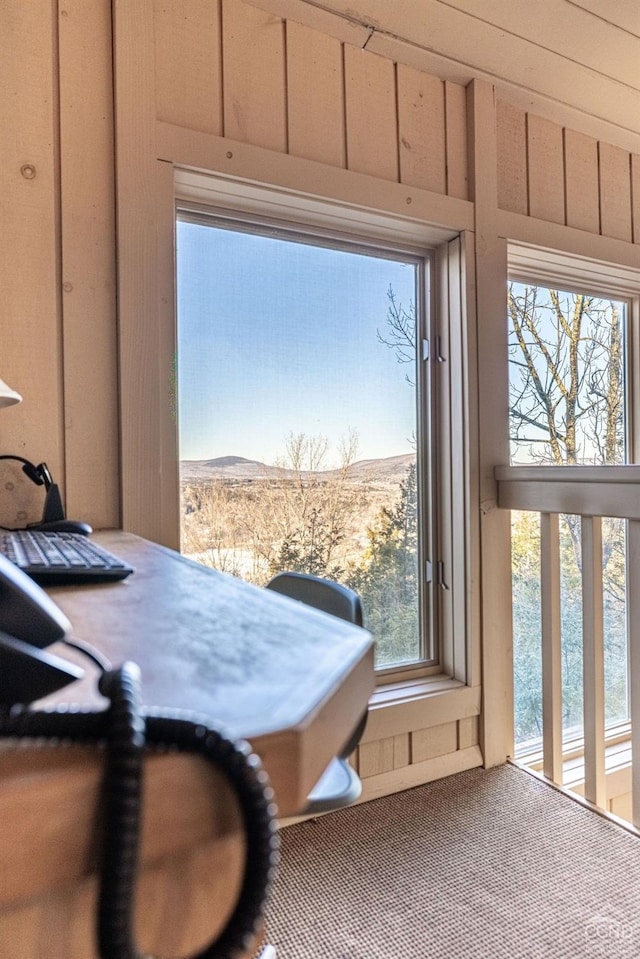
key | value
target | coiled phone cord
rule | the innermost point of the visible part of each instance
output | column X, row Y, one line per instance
column 127, row 730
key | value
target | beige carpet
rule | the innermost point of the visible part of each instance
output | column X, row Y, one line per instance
column 488, row 864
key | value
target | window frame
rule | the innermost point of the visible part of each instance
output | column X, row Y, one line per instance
column 571, row 273
column 424, row 263
column 454, row 621
column 577, row 274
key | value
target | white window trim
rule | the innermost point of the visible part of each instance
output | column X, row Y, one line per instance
column 222, row 195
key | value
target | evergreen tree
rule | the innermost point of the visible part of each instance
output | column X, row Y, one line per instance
column 387, row 579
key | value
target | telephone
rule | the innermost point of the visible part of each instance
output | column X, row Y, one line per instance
column 29, row 621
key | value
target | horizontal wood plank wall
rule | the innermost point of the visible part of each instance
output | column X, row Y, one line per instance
column 563, row 176
column 230, row 68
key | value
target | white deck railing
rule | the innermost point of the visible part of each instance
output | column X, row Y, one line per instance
column 590, row 492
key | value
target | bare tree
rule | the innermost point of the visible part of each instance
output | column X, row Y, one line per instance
column 566, row 403
column 304, row 516
column 311, row 507
column 566, row 389
column 211, row 527
column 400, row 335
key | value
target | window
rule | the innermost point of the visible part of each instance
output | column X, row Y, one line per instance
column 569, row 405
column 305, row 412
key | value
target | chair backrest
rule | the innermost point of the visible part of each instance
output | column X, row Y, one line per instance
column 323, row 594
column 340, row 784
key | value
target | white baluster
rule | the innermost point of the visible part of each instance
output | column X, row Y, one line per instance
column 595, row 788
column 551, row 647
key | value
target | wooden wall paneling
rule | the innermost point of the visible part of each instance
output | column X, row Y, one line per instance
column 167, row 397
column 456, row 121
column 635, row 196
column 188, row 64
column 450, row 701
column 92, row 480
column 20, row 501
column 615, row 192
column 511, row 135
column 432, row 742
column 401, row 751
column 254, row 72
column 581, row 181
column 317, row 18
column 421, row 130
column 546, row 169
column 419, row 773
column 467, row 732
column 315, row 95
column 31, row 360
column 372, row 129
column 141, row 313
column 433, row 36
column 376, row 757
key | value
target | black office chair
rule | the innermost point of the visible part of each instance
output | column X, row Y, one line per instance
column 340, row 784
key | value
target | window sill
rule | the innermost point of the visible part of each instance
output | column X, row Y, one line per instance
column 402, row 707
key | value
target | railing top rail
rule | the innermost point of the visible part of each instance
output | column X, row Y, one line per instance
column 629, row 473
column 582, row 490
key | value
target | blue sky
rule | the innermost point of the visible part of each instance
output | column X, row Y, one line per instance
column 276, row 337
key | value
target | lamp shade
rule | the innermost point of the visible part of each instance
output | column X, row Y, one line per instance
column 8, row 396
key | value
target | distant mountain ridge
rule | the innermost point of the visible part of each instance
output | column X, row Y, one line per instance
column 389, row 469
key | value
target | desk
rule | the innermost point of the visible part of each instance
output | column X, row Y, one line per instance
column 288, row 678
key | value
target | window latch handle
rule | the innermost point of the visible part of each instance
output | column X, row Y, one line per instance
column 441, row 581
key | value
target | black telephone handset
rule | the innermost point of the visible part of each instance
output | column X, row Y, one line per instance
column 29, row 620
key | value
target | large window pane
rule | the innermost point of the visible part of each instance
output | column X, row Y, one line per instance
column 299, row 418
column 567, row 407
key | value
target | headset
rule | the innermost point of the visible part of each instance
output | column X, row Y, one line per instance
column 53, row 511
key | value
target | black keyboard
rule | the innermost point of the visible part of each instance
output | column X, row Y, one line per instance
column 61, row 557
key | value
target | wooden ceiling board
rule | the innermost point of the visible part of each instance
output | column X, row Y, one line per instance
column 623, row 13
column 566, row 29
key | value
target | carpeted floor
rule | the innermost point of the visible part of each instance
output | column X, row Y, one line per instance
column 488, row 863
